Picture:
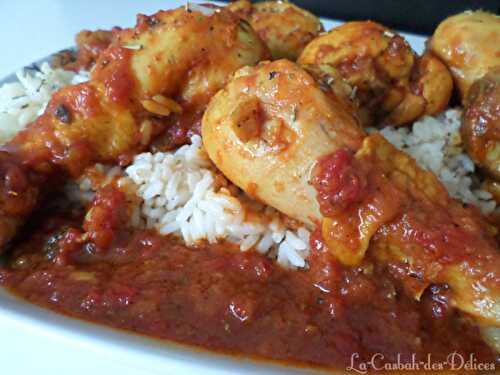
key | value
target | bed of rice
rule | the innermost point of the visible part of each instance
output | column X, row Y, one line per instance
column 180, row 193
column 180, row 197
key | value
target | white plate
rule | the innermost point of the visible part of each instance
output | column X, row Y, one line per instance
column 34, row 340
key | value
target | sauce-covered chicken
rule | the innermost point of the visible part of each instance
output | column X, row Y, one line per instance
column 469, row 44
column 166, row 67
column 267, row 127
column 280, row 137
column 481, row 123
column 390, row 83
column 90, row 44
column 284, row 27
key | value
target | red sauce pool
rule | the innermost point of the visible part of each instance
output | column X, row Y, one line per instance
column 240, row 303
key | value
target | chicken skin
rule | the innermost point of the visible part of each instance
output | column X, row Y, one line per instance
column 166, row 67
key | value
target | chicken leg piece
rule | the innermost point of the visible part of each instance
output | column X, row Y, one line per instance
column 167, row 64
column 469, row 44
column 481, row 123
column 285, row 140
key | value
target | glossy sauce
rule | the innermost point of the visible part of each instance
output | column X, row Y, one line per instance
column 344, row 183
column 480, row 129
column 113, row 70
column 239, row 303
column 90, row 44
column 380, row 204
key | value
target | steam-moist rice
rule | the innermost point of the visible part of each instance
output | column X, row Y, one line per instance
column 179, row 190
column 23, row 101
column 435, row 143
column 180, row 197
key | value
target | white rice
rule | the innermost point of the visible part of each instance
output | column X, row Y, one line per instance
column 180, row 197
column 178, row 189
column 23, row 101
column 436, row 145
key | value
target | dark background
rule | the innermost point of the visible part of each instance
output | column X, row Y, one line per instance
column 418, row 16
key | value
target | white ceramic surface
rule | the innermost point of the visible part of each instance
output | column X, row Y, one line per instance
column 36, row 341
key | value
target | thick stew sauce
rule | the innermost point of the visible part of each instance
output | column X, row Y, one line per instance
column 240, row 303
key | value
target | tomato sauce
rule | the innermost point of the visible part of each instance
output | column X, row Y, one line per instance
column 240, row 303
column 90, row 44
column 113, row 70
column 338, row 182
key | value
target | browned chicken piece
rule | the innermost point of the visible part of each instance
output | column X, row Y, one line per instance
column 89, row 45
column 166, row 65
column 481, row 123
column 390, row 83
column 284, row 139
column 275, row 121
column 428, row 238
column 469, row 44
column 283, row 26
